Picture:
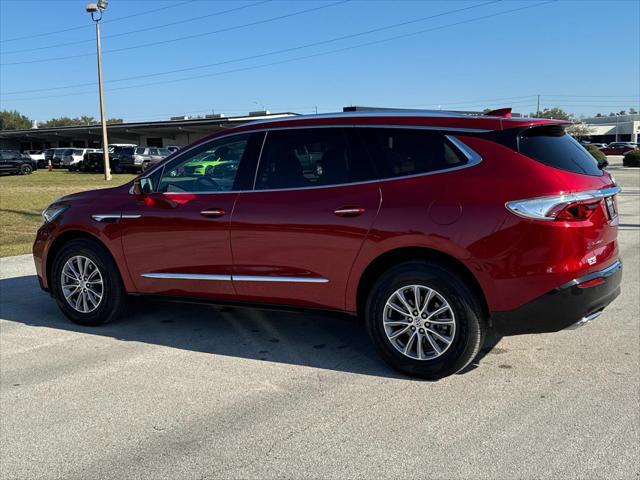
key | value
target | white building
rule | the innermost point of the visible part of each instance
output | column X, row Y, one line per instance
column 618, row 128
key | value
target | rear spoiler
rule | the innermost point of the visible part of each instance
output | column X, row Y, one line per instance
column 500, row 112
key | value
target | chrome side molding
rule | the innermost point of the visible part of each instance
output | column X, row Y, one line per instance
column 187, row 276
column 237, row 278
column 252, row 278
column 99, row 217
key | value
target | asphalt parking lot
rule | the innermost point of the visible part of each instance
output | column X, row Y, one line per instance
column 190, row 391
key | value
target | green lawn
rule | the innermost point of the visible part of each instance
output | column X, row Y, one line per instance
column 23, row 197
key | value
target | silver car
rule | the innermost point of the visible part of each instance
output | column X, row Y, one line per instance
column 134, row 160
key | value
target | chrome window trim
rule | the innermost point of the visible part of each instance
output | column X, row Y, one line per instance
column 267, row 130
column 236, row 278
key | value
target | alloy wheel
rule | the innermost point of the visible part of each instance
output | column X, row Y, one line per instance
column 419, row 322
column 82, row 284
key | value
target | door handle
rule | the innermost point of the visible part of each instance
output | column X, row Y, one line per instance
column 212, row 212
column 349, row 211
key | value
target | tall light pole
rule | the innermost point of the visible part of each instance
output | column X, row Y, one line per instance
column 96, row 9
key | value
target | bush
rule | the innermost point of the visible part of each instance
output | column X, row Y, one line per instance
column 632, row 159
column 595, row 152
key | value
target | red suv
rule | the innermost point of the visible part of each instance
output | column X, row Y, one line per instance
column 431, row 227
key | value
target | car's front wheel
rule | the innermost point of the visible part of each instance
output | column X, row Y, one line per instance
column 424, row 320
column 26, row 169
column 86, row 283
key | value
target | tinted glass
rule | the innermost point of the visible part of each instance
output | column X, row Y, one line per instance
column 311, row 157
column 140, row 150
column 153, row 151
column 399, row 152
column 165, row 152
column 196, row 170
column 67, row 152
column 127, row 151
column 78, row 152
column 552, row 146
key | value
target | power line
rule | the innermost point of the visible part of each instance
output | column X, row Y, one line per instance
column 187, row 37
column 140, row 30
column 260, row 55
column 116, row 19
column 304, row 57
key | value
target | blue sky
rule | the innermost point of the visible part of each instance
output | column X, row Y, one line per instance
column 583, row 56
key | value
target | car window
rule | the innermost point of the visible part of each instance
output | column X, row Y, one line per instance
column 552, row 146
column 153, row 151
column 195, row 170
column 311, row 157
column 140, row 150
column 165, row 152
column 399, row 152
column 78, row 152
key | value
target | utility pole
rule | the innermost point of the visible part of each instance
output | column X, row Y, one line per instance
column 538, row 107
column 94, row 8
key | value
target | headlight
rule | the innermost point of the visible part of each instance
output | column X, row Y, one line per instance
column 52, row 212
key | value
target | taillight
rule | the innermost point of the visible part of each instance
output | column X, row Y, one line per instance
column 571, row 207
column 578, row 211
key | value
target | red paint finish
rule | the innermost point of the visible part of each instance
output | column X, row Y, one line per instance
column 297, row 234
column 173, row 235
column 305, row 233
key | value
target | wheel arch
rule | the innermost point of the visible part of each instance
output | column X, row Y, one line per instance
column 65, row 238
column 393, row 257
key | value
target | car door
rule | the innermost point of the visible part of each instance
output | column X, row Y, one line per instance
column 5, row 164
column 176, row 236
column 296, row 235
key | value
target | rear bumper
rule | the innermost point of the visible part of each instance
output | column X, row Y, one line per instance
column 572, row 304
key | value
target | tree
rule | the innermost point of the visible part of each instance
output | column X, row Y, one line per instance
column 68, row 122
column 632, row 111
column 554, row 113
column 13, row 120
column 114, row 120
column 579, row 130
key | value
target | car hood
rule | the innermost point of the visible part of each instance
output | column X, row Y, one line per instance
column 94, row 195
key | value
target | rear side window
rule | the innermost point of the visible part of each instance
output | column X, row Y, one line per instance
column 311, row 157
column 140, row 150
column 399, row 152
column 552, row 146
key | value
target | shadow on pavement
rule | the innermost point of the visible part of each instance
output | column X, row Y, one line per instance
column 314, row 339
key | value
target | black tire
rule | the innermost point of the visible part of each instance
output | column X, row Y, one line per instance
column 113, row 295
column 208, row 171
column 470, row 326
column 26, row 169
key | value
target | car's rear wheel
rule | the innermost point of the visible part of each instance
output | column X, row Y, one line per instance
column 424, row 320
column 26, row 169
column 86, row 283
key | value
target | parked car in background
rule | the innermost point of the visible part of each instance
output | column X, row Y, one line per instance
column 618, row 148
column 599, row 145
column 48, row 156
column 94, row 161
column 58, row 153
column 72, row 159
column 12, row 161
column 133, row 160
column 37, row 156
column 418, row 223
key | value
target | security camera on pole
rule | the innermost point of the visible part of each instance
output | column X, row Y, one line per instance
column 96, row 9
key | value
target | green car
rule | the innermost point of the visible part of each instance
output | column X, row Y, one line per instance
column 205, row 163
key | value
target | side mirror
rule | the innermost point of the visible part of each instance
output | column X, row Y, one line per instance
column 137, row 187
